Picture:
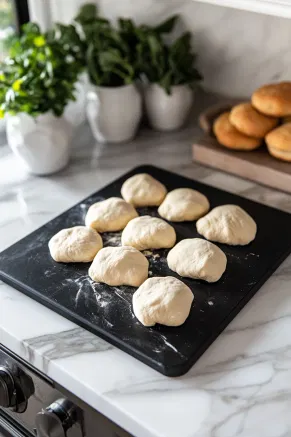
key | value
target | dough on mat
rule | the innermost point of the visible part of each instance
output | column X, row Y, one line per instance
column 143, row 190
column 148, row 232
column 119, row 266
column 228, row 224
column 77, row 244
column 162, row 300
column 110, row 215
column 184, row 204
column 198, row 259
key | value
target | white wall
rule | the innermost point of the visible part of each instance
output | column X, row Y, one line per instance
column 238, row 50
column 65, row 10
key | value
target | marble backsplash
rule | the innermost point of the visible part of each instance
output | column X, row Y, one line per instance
column 238, row 50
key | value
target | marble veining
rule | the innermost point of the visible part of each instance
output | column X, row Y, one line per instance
column 241, row 387
column 63, row 345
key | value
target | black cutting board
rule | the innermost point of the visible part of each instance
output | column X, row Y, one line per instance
column 107, row 311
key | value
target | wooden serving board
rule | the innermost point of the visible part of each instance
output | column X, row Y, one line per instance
column 257, row 165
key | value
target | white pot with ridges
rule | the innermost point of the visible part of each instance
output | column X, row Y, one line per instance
column 114, row 113
column 42, row 143
column 167, row 112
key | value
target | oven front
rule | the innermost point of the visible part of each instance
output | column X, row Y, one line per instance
column 31, row 405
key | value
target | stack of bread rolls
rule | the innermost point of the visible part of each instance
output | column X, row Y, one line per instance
column 266, row 118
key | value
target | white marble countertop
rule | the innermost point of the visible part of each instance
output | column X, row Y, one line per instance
column 240, row 387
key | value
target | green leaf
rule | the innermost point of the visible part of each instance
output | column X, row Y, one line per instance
column 126, row 25
column 166, row 82
column 167, row 26
column 108, row 58
column 31, row 29
column 156, row 49
column 182, row 45
column 91, row 64
column 86, row 13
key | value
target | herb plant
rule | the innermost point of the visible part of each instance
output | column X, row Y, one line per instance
column 107, row 53
column 135, row 35
column 40, row 74
column 168, row 65
column 113, row 55
column 118, row 56
column 68, row 37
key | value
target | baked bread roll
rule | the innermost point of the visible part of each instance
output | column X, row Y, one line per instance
column 230, row 137
column 273, row 99
column 286, row 119
column 246, row 119
column 279, row 142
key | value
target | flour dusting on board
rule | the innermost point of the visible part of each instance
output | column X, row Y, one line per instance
column 85, row 287
column 169, row 344
column 111, row 239
column 150, row 253
column 252, row 254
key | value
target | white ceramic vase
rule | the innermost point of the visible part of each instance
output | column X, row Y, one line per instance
column 2, row 124
column 75, row 111
column 41, row 143
column 114, row 113
column 168, row 112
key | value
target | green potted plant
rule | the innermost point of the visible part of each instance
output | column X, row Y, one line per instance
column 36, row 83
column 114, row 106
column 69, row 38
column 171, row 76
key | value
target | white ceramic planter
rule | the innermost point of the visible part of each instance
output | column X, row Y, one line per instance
column 114, row 113
column 41, row 143
column 75, row 111
column 167, row 112
column 2, row 124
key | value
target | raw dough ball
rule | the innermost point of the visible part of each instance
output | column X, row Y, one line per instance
column 198, row 259
column 77, row 244
column 228, row 224
column 143, row 190
column 110, row 215
column 148, row 232
column 119, row 266
column 183, row 204
column 162, row 300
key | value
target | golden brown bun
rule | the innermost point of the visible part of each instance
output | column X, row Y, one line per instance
column 280, row 154
column 280, row 138
column 230, row 137
column 286, row 119
column 246, row 119
column 273, row 99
